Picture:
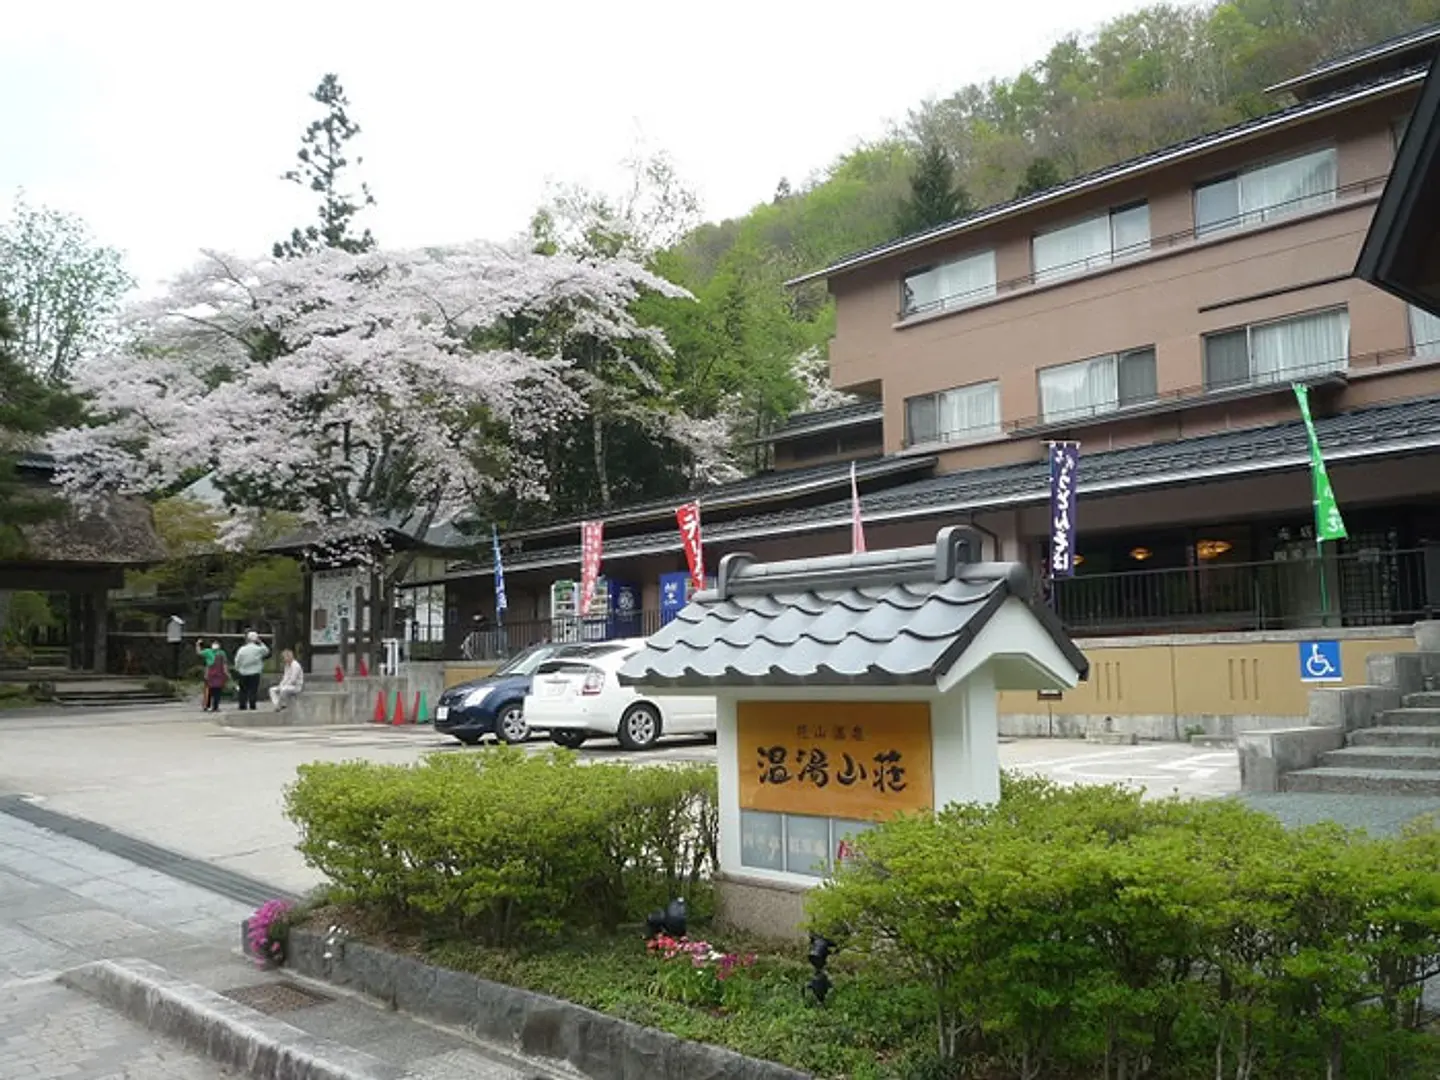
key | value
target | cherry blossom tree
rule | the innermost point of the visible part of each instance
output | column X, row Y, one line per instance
column 353, row 390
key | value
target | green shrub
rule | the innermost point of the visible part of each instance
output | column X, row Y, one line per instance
column 158, row 684
column 504, row 845
column 1083, row 932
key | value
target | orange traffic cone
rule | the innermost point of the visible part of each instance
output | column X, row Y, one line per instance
column 380, row 706
column 399, row 717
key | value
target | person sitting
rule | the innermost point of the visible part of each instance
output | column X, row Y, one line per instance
column 292, row 681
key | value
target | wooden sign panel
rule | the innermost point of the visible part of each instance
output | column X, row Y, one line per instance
column 861, row 760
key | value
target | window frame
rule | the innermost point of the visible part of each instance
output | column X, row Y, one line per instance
column 1236, row 174
column 964, row 435
column 950, row 303
column 1121, row 405
column 1249, row 329
column 1112, row 256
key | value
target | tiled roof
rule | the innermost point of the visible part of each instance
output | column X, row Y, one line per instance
column 843, row 416
column 762, row 487
column 1120, row 170
column 1375, row 431
column 1354, row 58
column 888, row 618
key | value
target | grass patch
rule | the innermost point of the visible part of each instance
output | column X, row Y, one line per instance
column 873, row 1027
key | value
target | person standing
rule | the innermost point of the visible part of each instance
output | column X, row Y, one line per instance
column 292, row 681
column 217, row 674
column 249, row 663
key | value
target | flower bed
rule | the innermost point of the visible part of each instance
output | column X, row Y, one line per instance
column 1067, row 933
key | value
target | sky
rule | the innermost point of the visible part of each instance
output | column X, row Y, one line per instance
column 167, row 125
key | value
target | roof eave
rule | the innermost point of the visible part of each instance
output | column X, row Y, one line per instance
column 1151, row 163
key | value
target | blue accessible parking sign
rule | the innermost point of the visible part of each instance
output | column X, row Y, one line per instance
column 1320, row 661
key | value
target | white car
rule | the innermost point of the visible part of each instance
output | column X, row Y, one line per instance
column 581, row 698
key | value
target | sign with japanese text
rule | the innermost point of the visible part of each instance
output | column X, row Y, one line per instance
column 592, row 535
column 1064, row 462
column 861, row 760
column 688, row 518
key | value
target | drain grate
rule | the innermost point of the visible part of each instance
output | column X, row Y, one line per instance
column 275, row 998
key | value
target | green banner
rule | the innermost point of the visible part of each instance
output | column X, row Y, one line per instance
column 1329, row 525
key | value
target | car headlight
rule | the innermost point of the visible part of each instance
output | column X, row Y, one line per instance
column 477, row 697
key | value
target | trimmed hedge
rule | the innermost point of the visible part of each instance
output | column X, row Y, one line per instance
column 505, row 845
column 1081, row 932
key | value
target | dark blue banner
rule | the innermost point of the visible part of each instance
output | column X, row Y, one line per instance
column 1064, row 464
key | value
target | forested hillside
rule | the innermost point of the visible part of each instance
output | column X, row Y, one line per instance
column 1159, row 75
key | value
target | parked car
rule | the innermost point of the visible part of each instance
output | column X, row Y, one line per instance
column 496, row 704
column 576, row 698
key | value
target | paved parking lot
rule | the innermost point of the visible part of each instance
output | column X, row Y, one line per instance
column 176, row 779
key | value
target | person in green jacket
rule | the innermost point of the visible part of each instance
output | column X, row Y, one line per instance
column 217, row 673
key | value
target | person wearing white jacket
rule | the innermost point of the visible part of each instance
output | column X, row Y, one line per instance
column 292, row 681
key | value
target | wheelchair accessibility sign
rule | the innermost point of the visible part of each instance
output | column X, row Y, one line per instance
column 1320, row 661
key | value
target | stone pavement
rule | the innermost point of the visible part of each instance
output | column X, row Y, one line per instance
column 63, row 903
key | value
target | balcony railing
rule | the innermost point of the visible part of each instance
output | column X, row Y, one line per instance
column 1345, row 193
column 1375, row 587
column 500, row 642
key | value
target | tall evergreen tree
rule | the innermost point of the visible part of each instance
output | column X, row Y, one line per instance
column 322, row 165
column 29, row 407
column 935, row 195
column 1040, row 175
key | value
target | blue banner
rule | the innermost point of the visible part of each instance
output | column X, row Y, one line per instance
column 501, row 602
column 1064, row 464
column 674, row 593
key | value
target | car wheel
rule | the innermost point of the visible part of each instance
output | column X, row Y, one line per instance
column 569, row 738
column 639, row 727
column 510, row 724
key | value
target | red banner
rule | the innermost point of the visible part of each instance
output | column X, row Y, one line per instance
column 688, row 517
column 591, row 541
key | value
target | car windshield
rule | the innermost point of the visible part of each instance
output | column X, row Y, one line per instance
column 526, row 662
column 570, row 660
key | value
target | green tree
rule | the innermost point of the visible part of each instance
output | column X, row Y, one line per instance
column 1040, row 175
column 321, row 169
column 936, row 197
column 268, row 593
column 62, row 286
column 29, row 408
column 29, row 611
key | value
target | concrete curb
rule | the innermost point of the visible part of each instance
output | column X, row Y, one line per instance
column 533, row 1025
column 224, row 1030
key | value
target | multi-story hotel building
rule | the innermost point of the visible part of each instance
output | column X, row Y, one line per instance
column 1157, row 312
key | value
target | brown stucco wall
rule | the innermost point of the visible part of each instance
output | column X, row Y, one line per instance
column 1155, row 301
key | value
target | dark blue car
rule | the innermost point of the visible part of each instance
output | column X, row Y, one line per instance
column 495, row 705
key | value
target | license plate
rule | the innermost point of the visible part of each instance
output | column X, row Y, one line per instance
column 554, row 689
column 442, row 711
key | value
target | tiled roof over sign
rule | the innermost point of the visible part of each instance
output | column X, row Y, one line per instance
column 889, row 618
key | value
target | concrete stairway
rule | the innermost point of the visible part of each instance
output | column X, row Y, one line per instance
column 1391, row 736
column 93, row 693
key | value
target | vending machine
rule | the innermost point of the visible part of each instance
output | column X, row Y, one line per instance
column 566, row 623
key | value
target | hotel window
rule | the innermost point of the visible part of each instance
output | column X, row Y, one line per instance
column 1425, row 332
column 1266, row 192
column 1278, row 351
column 966, row 412
column 952, row 284
column 1090, row 244
column 1099, row 385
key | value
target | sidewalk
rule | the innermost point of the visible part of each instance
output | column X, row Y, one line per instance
column 64, row 903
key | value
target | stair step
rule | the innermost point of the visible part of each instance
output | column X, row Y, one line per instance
column 1418, row 717
column 1396, row 736
column 1346, row 781
column 1429, row 699
column 1383, row 757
